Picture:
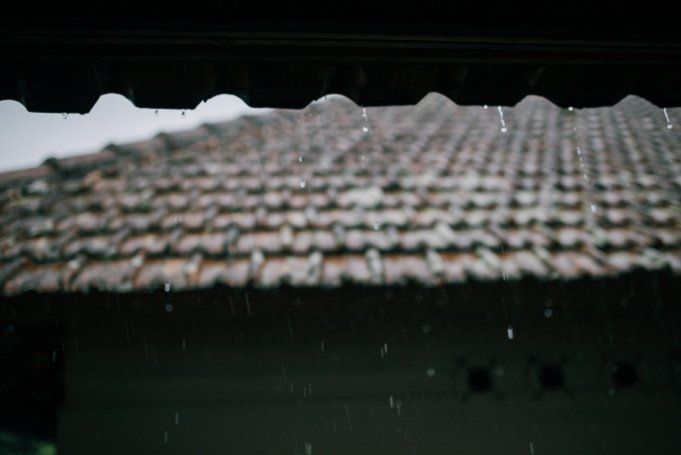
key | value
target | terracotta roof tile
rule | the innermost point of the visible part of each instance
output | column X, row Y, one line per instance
column 430, row 195
column 115, row 276
column 231, row 273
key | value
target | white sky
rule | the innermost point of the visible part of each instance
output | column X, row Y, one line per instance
column 26, row 139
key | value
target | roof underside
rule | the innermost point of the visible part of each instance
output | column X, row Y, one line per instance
column 572, row 52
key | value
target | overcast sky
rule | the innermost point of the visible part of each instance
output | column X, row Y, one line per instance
column 26, row 139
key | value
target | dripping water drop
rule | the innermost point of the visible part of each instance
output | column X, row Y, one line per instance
column 666, row 116
column 501, row 120
column 365, row 127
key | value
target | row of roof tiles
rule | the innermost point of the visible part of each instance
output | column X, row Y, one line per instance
column 317, row 269
column 286, row 240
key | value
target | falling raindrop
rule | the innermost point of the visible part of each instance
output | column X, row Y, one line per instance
column 501, row 119
column 365, row 127
column 302, row 184
column 165, row 437
column 485, row 107
column 531, row 448
column 300, row 159
column 593, row 208
column 377, row 226
column 426, row 329
column 169, row 307
column 166, row 286
column 509, row 332
column 177, row 418
column 430, row 372
column 571, row 108
column 308, row 448
column 548, row 313
column 666, row 116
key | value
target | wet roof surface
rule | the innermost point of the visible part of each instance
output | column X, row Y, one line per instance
column 432, row 194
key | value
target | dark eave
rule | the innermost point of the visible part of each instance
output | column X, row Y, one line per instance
column 574, row 53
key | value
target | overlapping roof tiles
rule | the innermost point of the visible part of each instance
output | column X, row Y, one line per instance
column 431, row 194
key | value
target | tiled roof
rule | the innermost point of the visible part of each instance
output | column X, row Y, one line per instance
column 432, row 194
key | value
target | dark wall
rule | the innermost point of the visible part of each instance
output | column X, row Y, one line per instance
column 590, row 367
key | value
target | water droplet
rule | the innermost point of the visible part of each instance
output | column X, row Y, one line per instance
column 177, row 418
column 548, row 313
column 426, row 328
column 509, row 332
column 155, row 111
column 571, row 108
column 308, row 448
column 430, row 372
column 593, row 208
column 485, row 107
column 165, row 437
column 377, row 226
column 166, row 286
column 501, row 119
column 666, row 116
column 65, row 116
column 169, row 307
column 302, row 184
column 300, row 159
column 391, row 401
column 365, row 127
column 183, row 114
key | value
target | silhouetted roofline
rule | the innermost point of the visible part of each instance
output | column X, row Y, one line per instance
column 572, row 52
